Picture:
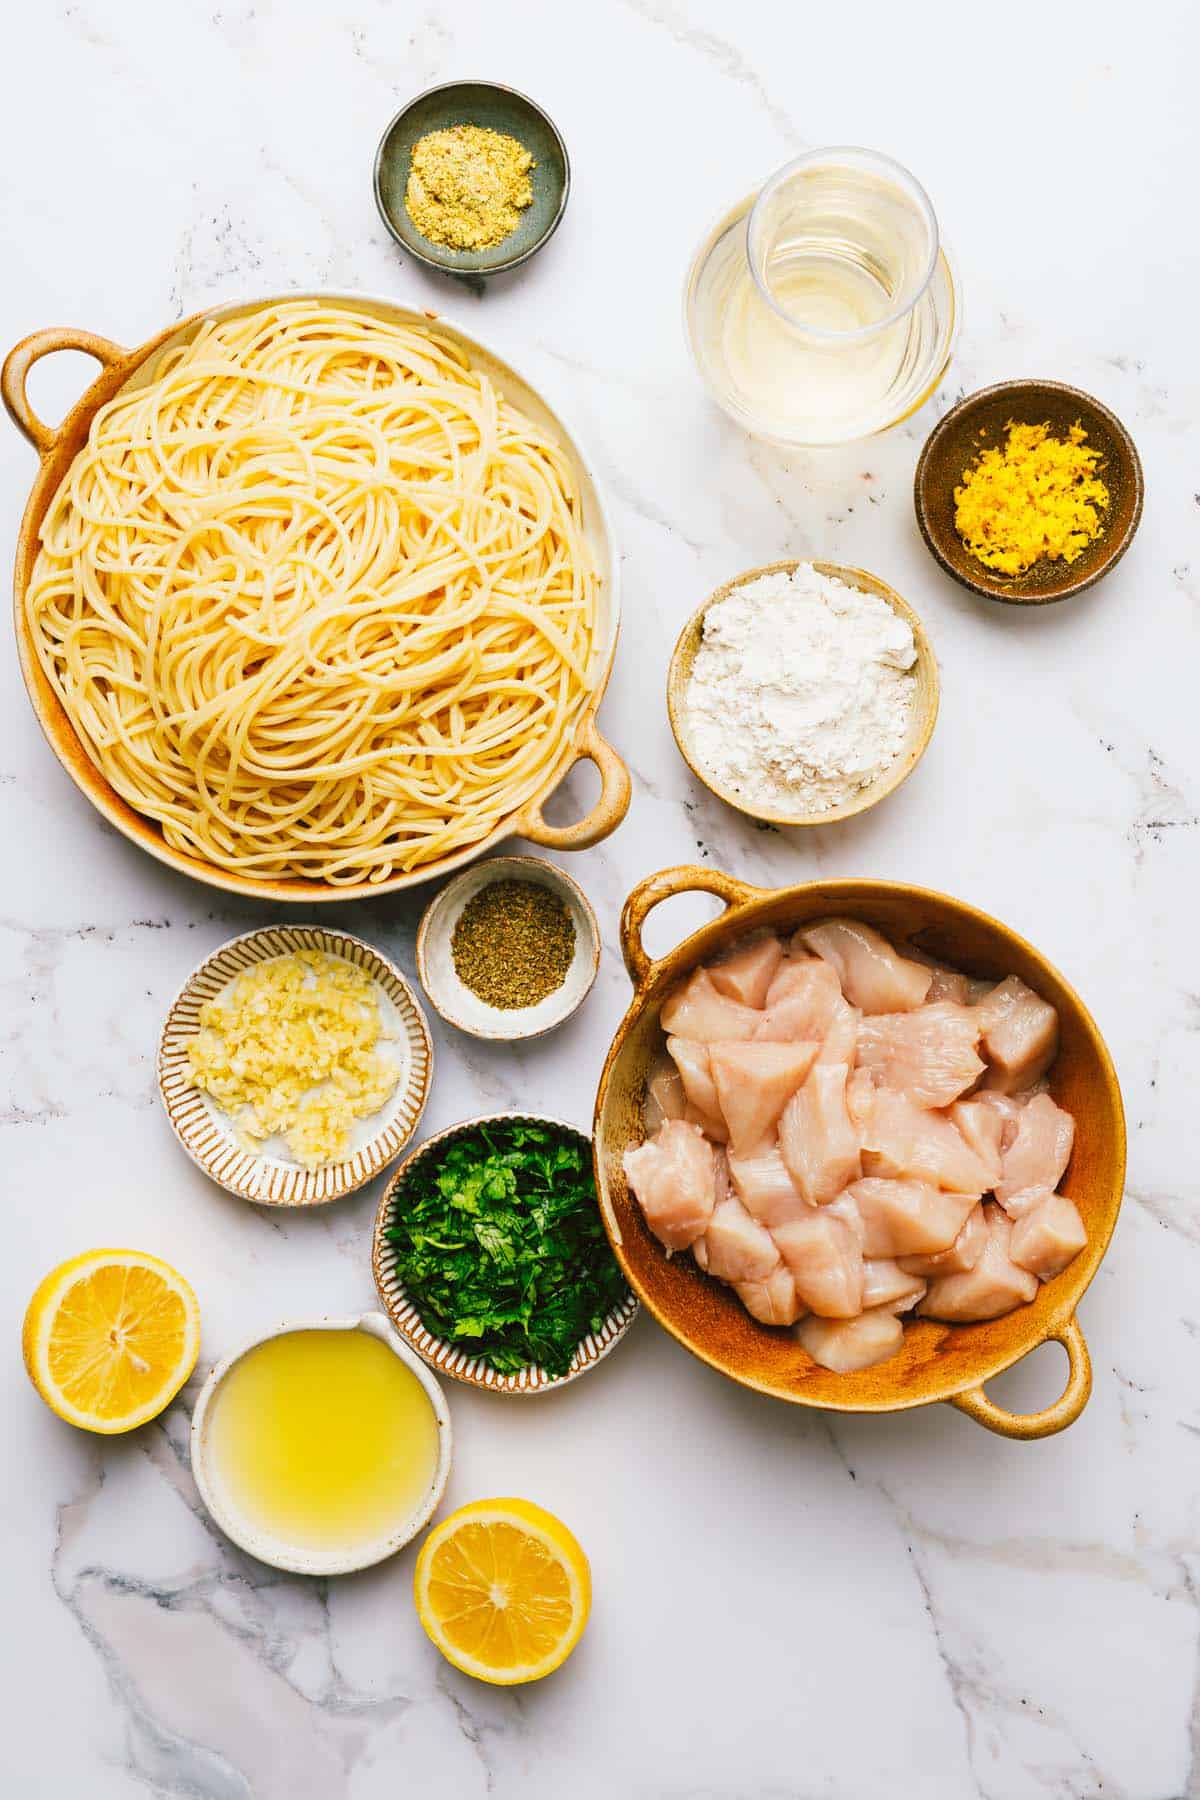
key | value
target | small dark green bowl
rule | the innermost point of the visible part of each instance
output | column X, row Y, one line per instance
column 981, row 421
column 496, row 108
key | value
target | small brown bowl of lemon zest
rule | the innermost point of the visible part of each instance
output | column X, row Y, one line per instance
column 1084, row 447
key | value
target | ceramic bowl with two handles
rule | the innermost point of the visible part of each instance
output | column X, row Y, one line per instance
column 938, row 1361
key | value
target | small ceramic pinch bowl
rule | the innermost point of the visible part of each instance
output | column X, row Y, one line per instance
column 450, row 1359
column 496, row 108
column 921, row 723
column 278, row 1552
column 980, row 422
column 269, row 1175
column 455, row 1001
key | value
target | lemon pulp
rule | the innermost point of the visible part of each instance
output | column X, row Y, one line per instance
column 323, row 1440
column 504, row 1590
column 110, row 1337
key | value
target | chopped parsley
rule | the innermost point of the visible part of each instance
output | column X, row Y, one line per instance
column 499, row 1245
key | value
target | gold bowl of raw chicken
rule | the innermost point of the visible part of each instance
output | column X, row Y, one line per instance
column 936, row 1360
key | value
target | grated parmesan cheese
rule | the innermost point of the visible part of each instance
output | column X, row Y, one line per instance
column 291, row 1048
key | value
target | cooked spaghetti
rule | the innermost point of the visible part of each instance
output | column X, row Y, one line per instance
column 316, row 597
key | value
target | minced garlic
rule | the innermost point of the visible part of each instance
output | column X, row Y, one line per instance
column 468, row 186
column 292, row 1049
column 1039, row 496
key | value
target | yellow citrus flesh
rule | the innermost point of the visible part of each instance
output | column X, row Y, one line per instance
column 504, row 1590
column 110, row 1337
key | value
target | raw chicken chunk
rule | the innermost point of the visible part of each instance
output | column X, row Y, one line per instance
column 841, row 1036
column 928, row 1054
column 1020, row 1036
column 962, row 1255
column 722, row 1191
column 1049, row 1236
column 674, row 1178
column 722, row 1185
column 907, row 1142
column 825, row 1262
column 1039, row 1152
column 993, row 1287
column 949, row 984
column 872, row 975
column 817, row 1138
column 981, row 1125
column 773, row 1301
column 754, row 1083
column 665, row 1098
column 908, row 1218
column 746, row 974
column 766, row 1189
column 800, row 1002
column 735, row 1247
column 828, row 1119
column 801, row 972
column 885, row 1283
column 712, row 1128
column 844, row 1208
column 844, row 1345
column 700, row 1091
column 696, row 1010
column 860, row 1098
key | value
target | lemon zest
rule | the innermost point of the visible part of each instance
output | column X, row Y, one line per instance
column 1039, row 496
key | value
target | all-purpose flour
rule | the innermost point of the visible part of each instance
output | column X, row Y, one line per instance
column 801, row 693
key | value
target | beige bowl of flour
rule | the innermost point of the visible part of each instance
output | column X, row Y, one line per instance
column 921, row 719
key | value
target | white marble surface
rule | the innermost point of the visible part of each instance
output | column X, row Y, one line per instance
column 786, row 1604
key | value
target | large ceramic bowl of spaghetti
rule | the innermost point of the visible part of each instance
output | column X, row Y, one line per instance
column 315, row 597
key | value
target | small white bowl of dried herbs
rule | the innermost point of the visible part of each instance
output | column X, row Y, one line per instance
column 508, row 949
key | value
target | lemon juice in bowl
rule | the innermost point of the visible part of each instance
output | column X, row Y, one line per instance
column 322, row 1448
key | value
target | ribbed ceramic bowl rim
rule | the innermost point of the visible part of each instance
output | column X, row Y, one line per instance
column 447, row 1358
column 428, row 257
column 314, row 1562
column 443, row 1006
column 243, row 1172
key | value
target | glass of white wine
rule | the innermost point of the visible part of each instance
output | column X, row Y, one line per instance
column 823, row 309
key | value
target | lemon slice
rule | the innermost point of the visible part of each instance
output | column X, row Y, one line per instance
column 110, row 1337
column 504, row 1590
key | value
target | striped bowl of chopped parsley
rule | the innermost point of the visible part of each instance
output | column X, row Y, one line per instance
column 490, row 1255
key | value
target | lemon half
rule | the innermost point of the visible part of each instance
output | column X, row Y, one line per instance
column 504, row 1590
column 110, row 1337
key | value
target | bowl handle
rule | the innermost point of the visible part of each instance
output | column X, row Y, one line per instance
column 688, row 878
column 30, row 350
column 604, row 817
column 1065, row 1410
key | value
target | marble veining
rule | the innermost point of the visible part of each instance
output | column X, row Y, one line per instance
column 787, row 1607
